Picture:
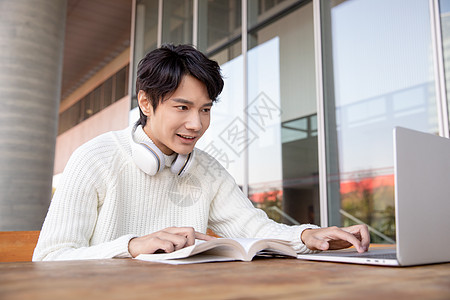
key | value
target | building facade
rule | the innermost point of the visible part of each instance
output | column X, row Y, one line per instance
column 313, row 90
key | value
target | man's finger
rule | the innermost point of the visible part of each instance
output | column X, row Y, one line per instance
column 319, row 244
column 186, row 232
column 346, row 236
column 178, row 241
column 189, row 233
column 362, row 233
column 202, row 236
column 365, row 237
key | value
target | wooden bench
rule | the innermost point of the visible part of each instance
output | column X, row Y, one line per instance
column 17, row 245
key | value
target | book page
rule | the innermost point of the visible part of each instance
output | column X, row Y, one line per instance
column 246, row 243
column 182, row 253
column 196, row 259
column 217, row 247
column 222, row 249
column 275, row 246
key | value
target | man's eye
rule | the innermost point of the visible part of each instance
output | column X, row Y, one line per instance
column 206, row 110
column 182, row 107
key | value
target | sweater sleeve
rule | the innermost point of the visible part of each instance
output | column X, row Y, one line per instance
column 233, row 215
column 72, row 216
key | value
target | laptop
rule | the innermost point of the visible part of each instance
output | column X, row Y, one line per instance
column 422, row 206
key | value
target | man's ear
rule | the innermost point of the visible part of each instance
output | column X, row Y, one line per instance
column 144, row 103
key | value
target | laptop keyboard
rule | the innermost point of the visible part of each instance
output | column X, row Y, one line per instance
column 376, row 253
column 391, row 255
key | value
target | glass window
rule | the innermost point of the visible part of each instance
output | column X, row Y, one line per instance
column 177, row 22
column 223, row 139
column 230, row 52
column 266, row 5
column 444, row 6
column 73, row 116
column 219, row 23
column 87, row 106
column 261, row 11
column 283, row 159
column 111, row 90
column 146, row 34
column 107, row 92
column 97, row 104
column 378, row 73
column 63, row 122
column 121, row 84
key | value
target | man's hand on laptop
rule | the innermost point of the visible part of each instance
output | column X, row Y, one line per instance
column 334, row 238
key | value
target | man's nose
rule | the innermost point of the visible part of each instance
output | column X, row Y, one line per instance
column 194, row 122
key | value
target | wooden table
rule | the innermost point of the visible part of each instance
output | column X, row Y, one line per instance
column 273, row 278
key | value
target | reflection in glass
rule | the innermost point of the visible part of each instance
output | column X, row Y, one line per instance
column 97, row 100
column 87, row 106
column 378, row 73
column 283, row 160
column 145, row 35
column 224, row 55
column 444, row 7
column 111, row 90
column 263, row 10
column 223, row 139
column 121, row 84
column 107, row 92
column 219, row 23
column 177, row 22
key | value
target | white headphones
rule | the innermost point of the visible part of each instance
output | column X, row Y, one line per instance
column 150, row 159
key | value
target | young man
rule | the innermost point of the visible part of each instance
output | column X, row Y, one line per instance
column 121, row 194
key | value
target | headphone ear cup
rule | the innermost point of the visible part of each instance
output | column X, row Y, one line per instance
column 182, row 163
column 148, row 157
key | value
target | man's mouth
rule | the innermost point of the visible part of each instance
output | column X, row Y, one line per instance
column 186, row 136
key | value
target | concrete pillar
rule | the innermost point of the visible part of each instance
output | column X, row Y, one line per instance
column 31, row 51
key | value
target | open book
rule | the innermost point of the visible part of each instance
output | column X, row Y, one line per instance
column 223, row 249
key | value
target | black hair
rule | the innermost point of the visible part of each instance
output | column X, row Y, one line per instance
column 160, row 72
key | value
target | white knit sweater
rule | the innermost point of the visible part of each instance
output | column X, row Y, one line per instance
column 104, row 200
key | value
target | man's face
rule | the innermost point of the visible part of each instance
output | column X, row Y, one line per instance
column 180, row 121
